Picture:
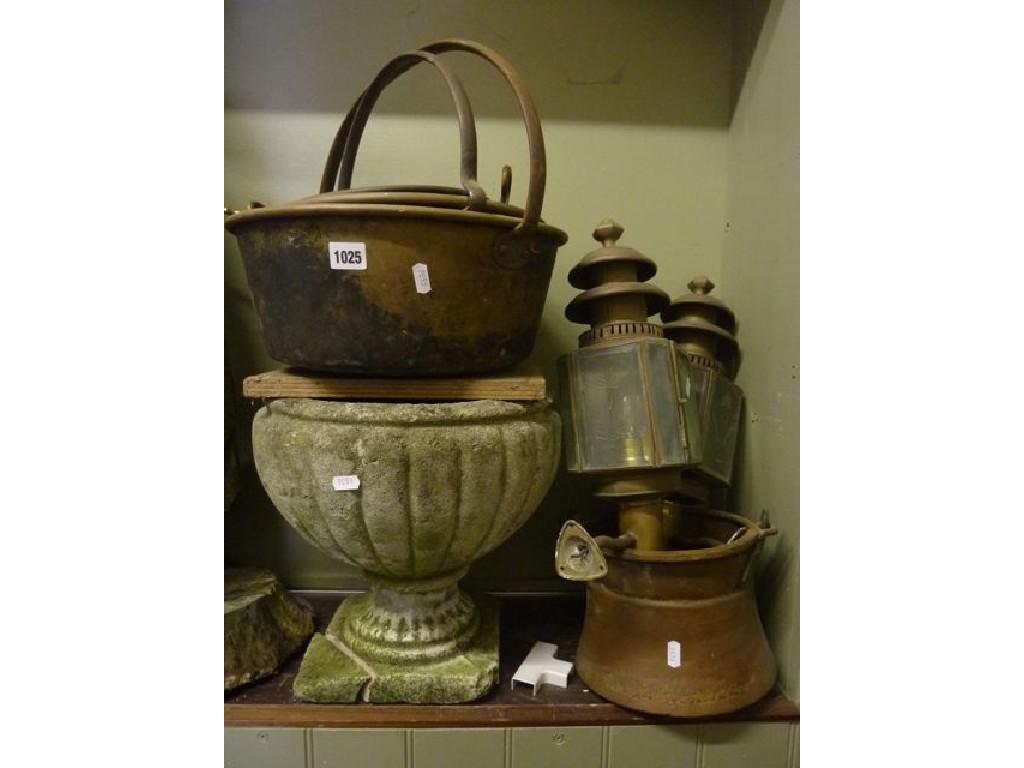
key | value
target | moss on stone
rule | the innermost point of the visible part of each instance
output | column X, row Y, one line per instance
column 328, row 675
column 263, row 625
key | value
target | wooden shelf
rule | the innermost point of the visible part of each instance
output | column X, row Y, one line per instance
column 291, row 382
column 557, row 619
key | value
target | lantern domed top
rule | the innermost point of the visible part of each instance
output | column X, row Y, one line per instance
column 704, row 326
column 616, row 299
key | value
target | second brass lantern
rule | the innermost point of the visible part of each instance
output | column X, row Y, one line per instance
column 703, row 328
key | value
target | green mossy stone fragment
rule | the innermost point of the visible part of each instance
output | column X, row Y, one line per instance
column 263, row 625
column 328, row 676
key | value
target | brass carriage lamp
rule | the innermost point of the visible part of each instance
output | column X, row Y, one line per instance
column 704, row 328
column 626, row 394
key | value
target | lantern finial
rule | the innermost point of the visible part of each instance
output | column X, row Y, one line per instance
column 701, row 285
column 608, row 232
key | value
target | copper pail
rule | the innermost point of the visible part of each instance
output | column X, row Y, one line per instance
column 677, row 632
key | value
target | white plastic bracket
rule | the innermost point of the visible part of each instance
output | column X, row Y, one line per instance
column 541, row 667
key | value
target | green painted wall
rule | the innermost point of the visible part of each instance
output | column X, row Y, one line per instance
column 760, row 278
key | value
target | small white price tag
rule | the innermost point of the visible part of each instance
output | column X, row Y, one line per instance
column 347, row 255
column 421, row 277
column 675, row 654
column 345, row 482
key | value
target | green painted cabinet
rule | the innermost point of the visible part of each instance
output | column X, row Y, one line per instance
column 579, row 747
column 358, row 748
column 653, row 746
column 443, row 747
column 736, row 745
column 724, row 745
column 264, row 748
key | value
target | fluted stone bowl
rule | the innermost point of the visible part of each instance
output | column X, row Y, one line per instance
column 440, row 485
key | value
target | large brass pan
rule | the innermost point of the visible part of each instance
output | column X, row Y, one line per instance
column 404, row 281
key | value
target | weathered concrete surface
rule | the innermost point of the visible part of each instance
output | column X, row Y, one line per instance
column 411, row 627
column 263, row 625
column 440, row 484
column 331, row 672
column 327, row 675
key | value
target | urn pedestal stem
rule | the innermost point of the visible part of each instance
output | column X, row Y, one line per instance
column 411, row 621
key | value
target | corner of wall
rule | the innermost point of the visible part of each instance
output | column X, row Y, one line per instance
column 761, row 281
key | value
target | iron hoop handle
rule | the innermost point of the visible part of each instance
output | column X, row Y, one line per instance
column 534, row 135
column 346, row 141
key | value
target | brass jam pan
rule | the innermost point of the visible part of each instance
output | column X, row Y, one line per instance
column 488, row 263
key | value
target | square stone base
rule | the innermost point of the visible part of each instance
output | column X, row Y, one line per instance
column 329, row 675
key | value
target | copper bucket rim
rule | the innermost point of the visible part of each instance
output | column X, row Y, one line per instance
column 752, row 536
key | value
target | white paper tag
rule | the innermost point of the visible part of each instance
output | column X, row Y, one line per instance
column 421, row 277
column 347, row 255
column 345, row 482
column 675, row 654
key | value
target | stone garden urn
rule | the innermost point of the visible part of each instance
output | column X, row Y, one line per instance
column 412, row 493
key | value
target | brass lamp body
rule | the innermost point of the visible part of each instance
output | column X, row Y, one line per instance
column 629, row 418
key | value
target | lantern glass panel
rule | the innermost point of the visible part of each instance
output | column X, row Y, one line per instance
column 721, row 422
column 700, row 378
column 665, row 402
column 612, row 412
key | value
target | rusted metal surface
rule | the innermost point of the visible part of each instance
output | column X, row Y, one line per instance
column 699, row 598
column 481, row 313
column 489, row 263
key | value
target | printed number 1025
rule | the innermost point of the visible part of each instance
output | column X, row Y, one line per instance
column 347, row 255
